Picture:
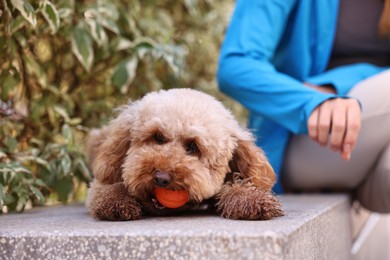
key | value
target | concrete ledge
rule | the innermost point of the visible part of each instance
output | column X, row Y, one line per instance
column 315, row 227
column 373, row 241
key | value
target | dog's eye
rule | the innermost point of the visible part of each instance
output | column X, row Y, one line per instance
column 159, row 138
column 192, row 148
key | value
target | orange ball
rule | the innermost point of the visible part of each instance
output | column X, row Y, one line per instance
column 171, row 198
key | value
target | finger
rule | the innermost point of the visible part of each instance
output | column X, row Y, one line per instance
column 352, row 131
column 339, row 126
column 346, row 154
column 324, row 122
column 312, row 125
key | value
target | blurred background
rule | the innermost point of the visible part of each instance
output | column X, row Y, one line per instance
column 66, row 64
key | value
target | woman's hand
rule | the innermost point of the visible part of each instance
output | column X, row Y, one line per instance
column 336, row 121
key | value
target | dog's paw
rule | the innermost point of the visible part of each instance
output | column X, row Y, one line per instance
column 112, row 202
column 247, row 202
column 124, row 209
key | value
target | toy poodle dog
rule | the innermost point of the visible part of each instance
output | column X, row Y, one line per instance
column 177, row 150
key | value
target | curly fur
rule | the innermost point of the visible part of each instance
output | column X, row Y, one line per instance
column 126, row 153
column 248, row 202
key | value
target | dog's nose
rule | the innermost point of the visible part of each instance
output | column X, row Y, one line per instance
column 162, row 179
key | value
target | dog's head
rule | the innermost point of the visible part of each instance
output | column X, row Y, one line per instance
column 180, row 139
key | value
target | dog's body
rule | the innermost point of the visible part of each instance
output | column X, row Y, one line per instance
column 181, row 139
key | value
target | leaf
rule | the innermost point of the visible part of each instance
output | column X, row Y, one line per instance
column 7, row 174
column 40, row 183
column 52, row 116
column 23, row 198
column 145, row 42
column 26, row 10
column 66, row 132
column 51, row 15
column 37, row 142
column 85, row 172
column 21, row 170
column 2, row 195
column 174, row 56
column 38, row 195
column 64, row 12
column 110, row 25
column 125, row 73
column 119, row 44
column 35, row 159
column 62, row 112
column 66, row 164
column 97, row 32
column 103, row 20
column 9, row 79
column 11, row 47
column 63, row 187
column 82, row 47
column 192, row 6
column 144, row 45
column 35, row 68
column 17, row 24
column 43, row 163
column 140, row 43
column 129, row 24
column 9, row 199
column 11, row 143
column 20, row 37
column 75, row 121
column 8, row 13
column 108, row 9
column 3, row 154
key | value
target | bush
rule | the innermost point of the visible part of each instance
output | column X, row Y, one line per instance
column 66, row 64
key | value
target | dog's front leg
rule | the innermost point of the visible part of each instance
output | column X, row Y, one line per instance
column 247, row 202
column 112, row 202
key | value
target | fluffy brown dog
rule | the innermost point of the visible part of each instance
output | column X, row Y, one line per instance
column 179, row 139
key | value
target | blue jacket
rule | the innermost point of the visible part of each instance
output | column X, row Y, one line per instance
column 271, row 47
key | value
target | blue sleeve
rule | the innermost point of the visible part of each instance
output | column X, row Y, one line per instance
column 246, row 73
column 345, row 77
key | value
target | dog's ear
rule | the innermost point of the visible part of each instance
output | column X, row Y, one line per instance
column 111, row 150
column 251, row 163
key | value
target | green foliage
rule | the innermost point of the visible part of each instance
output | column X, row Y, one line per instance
column 64, row 66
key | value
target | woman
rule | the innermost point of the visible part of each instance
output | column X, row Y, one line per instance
column 310, row 70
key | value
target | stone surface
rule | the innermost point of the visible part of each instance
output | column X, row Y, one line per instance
column 315, row 227
column 373, row 241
